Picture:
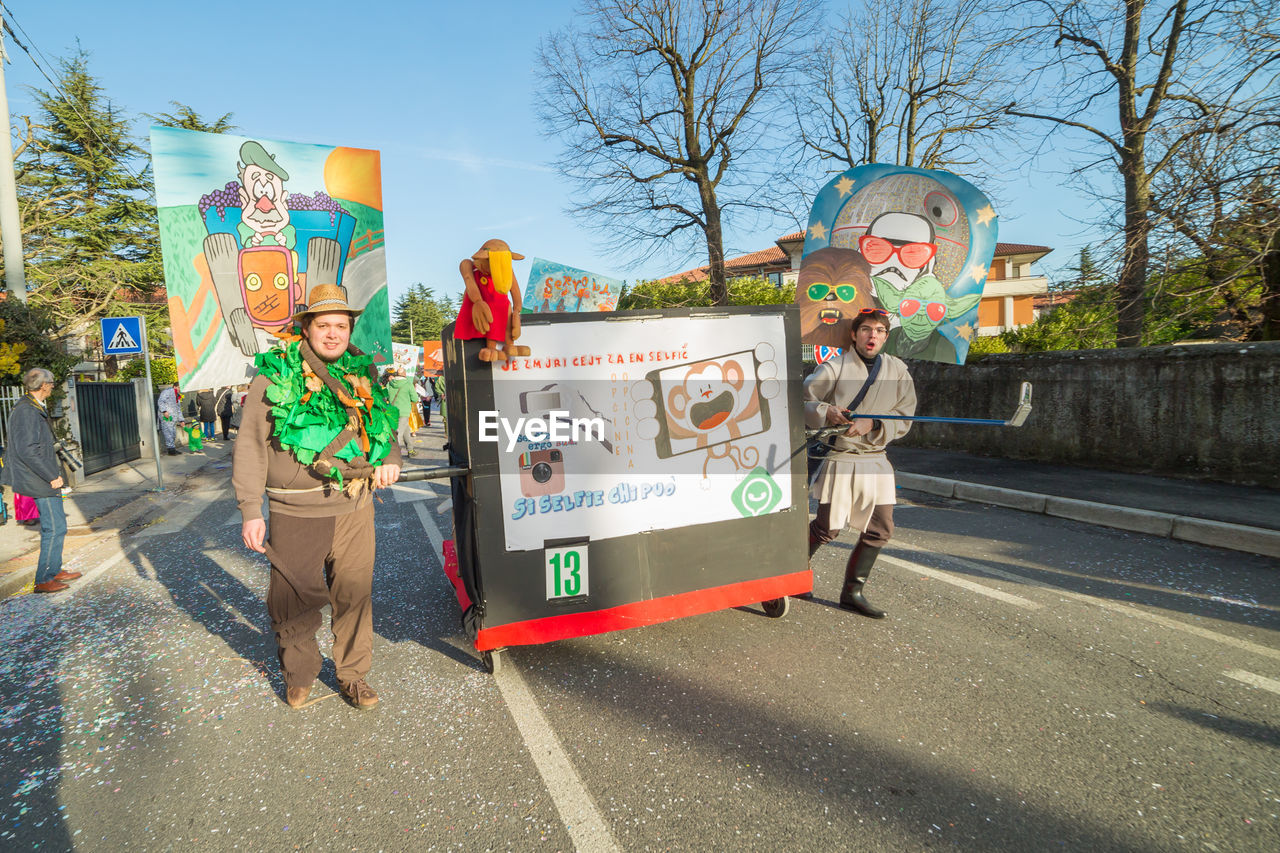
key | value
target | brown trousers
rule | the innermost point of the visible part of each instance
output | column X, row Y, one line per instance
column 879, row 527
column 314, row 562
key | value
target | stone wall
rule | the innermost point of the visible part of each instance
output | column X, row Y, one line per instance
column 1207, row 411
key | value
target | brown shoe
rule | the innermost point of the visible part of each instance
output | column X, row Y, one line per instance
column 51, row 586
column 66, row 576
column 360, row 695
column 296, row 697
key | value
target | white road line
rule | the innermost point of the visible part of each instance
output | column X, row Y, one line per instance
column 433, row 532
column 581, row 817
column 1255, row 680
column 947, row 577
column 577, row 810
column 1123, row 609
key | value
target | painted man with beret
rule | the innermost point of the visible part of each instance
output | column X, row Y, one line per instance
column 264, row 211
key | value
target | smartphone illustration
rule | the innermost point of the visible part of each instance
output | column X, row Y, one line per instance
column 704, row 403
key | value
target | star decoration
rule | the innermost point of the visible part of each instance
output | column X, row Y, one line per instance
column 985, row 215
column 818, row 231
column 845, row 186
column 965, row 331
column 978, row 271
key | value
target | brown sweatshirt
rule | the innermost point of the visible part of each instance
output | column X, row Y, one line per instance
column 260, row 464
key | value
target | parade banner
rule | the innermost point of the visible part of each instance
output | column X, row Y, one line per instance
column 432, row 357
column 915, row 242
column 619, row 428
column 247, row 227
column 554, row 287
column 407, row 357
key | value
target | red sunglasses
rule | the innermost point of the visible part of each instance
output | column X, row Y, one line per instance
column 935, row 310
column 877, row 250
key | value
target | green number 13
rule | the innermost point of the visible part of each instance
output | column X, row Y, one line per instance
column 566, row 573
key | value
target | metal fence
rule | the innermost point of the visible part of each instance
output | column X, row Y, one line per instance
column 108, row 424
column 9, row 397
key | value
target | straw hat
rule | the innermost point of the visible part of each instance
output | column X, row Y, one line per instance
column 498, row 246
column 326, row 298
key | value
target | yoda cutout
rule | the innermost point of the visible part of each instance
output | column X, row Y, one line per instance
column 923, row 306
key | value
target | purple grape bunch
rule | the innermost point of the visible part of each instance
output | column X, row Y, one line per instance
column 220, row 200
column 316, row 201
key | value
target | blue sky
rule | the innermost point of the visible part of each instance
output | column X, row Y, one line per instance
column 445, row 91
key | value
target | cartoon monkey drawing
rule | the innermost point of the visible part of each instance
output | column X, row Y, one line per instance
column 710, row 396
column 834, row 284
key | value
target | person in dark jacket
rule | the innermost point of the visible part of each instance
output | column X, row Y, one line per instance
column 224, row 410
column 31, row 463
column 207, row 411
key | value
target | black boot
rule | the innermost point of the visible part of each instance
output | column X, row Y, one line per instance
column 855, row 576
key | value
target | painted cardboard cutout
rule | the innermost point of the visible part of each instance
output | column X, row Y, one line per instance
column 554, row 287
column 241, row 250
column 490, row 306
column 834, row 284
column 908, row 226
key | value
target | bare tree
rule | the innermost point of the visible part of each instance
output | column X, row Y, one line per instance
column 664, row 109
column 915, row 84
column 1171, row 73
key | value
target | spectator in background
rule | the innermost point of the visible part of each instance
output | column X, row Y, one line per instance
column 31, row 462
column 170, row 409
column 207, row 411
column 422, row 386
column 224, row 405
column 400, row 394
column 437, row 385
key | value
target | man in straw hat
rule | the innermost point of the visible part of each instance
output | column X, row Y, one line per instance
column 317, row 436
column 491, row 305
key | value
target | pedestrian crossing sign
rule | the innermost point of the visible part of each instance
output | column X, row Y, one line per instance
column 121, row 335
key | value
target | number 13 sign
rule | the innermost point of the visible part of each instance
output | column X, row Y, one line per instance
column 566, row 572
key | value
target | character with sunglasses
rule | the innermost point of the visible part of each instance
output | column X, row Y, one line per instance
column 854, row 485
column 899, row 247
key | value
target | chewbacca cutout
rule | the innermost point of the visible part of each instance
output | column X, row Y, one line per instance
column 834, row 285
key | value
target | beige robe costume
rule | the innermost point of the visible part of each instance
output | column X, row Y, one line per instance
column 856, row 476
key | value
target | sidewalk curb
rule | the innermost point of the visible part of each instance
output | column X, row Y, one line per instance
column 1201, row 531
column 125, row 514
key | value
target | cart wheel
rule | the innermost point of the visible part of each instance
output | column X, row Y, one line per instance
column 776, row 608
column 494, row 660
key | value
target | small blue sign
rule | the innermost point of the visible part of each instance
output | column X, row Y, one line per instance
column 121, row 335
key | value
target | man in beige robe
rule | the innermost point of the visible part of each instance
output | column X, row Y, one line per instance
column 854, row 485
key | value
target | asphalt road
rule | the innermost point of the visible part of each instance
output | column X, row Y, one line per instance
column 1040, row 684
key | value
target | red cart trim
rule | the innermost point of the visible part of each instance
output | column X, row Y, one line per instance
column 640, row 613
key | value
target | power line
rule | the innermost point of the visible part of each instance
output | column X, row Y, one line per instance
column 66, row 98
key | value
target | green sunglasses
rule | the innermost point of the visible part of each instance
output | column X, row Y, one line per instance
column 844, row 292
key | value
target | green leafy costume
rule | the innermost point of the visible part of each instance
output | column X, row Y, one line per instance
column 308, row 416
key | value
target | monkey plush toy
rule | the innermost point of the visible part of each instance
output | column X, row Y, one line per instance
column 491, row 305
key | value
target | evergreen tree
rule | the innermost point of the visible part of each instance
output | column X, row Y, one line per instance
column 89, row 228
column 186, row 118
column 428, row 313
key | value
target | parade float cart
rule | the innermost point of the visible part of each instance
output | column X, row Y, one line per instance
column 690, row 499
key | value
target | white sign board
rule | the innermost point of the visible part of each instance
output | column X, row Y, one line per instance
column 407, row 357
column 614, row 428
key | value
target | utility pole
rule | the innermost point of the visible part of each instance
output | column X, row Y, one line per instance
column 15, row 278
